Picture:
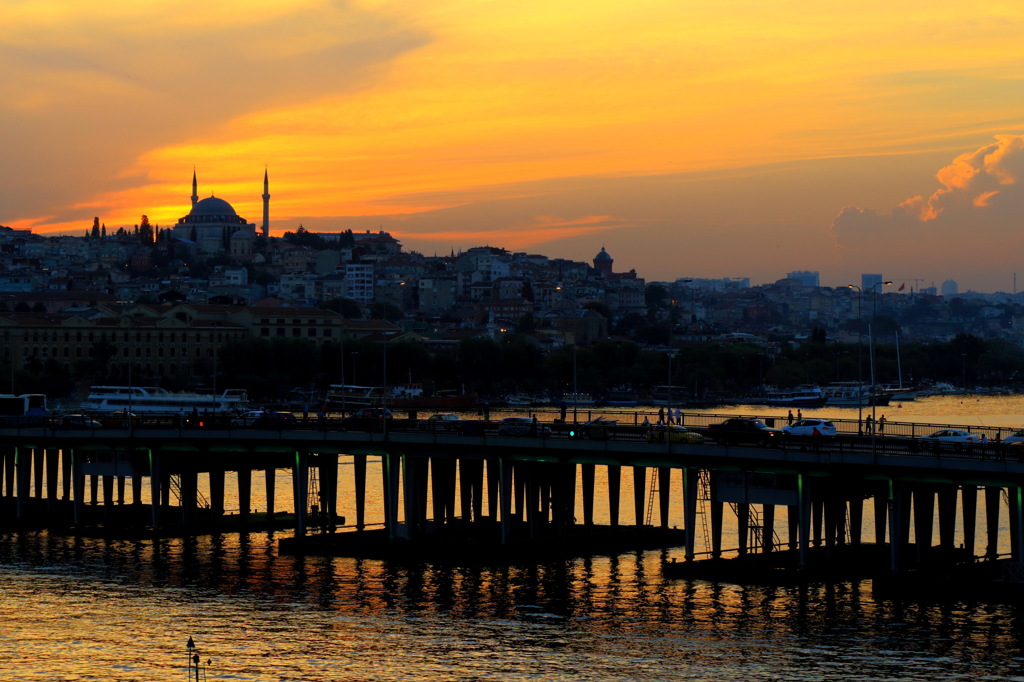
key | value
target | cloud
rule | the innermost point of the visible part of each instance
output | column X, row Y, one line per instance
column 972, row 218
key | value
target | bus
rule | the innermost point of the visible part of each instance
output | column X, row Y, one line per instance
column 23, row 410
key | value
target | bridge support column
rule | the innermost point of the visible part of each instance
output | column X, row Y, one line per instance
column 391, row 468
column 65, row 470
column 7, row 464
column 880, row 504
column 94, row 489
column 189, row 494
column 817, row 520
column 415, row 494
column 217, row 494
column 564, row 499
column 532, row 486
column 969, row 507
column 743, row 526
column 992, row 503
column 1016, row 523
column 899, row 528
column 793, row 526
column 390, row 488
column 664, row 494
column 519, row 490
column 300, row 490
column 767, row 528
column 691, row 477
column 108, row 495
column 270, row 490
column 924, row 520
column 494, row 492
column 244, row 493
column 804, row 515
column 442, row 485
column 587, row 476
column 639, row 494
column 78, row 485
column 471, row 481
column 856, row 519
column 52, row 470
column 155, row 478
column 504, row 470
column 136, row 488
column 614, row 488
column 947, row 517
column 329, row 489
column 38, row 464
column 23, row 466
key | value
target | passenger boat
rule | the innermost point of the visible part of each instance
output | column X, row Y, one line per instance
column 576, row 399
column 621, row 397
column 152, row 400
column 801, row 396
column 519, row 400
column 854, row 394
column 668, row 395
column 406, row 396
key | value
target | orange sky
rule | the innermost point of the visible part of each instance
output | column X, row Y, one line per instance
column 691, row 139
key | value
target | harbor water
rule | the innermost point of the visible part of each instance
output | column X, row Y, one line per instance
column 105, row 609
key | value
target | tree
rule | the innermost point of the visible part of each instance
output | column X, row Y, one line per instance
column 145, row 231
column 96, row 228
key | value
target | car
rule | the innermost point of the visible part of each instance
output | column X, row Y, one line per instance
column 246, row 418
column 441, row 422
column 522, row 426
column 373, row 419
column 1015, row 437
column 674, row 433
column 79, row 421
column 810, row 427
column 598, row 428
column 272, row 419
column 951, row 436
column 745, row 430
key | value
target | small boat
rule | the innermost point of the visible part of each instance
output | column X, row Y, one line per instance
column 577, row 399
column 621, row 397
column 668, row 395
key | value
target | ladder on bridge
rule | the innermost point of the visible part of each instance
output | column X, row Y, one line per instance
column 316, row 516
column 175, row 483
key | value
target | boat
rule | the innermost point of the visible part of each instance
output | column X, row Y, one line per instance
column 621, row 397
column 153, row 400
column 519, row 400
column 801, row 396
column 854, row 394
column 405, row 396
column 577, row 399
column 668, row 395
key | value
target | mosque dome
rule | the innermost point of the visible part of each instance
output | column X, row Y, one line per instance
column 603, row 256
column 212, row 206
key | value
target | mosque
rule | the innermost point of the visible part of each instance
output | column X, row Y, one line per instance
column 213, row 226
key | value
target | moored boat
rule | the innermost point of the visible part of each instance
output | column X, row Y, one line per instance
column 801, row 396
column 155, row 400
column 854, row 394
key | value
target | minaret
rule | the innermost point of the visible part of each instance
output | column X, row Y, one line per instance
column 266, row 204
column 195, row 194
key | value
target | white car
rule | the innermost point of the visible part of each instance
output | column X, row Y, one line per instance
column 1015, row 437
column 441, row 422
column 951, row 436
column 810, row 427
column 521, row 426
column 246, row 418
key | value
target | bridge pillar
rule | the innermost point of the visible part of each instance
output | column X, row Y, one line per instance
column 10, row 467
column 804, row 506
column 587, row 475
column 532, row 486
column 767, row 528
column 899, row 527
column 391, row 469
column 817, row 520
column 38, row 464
column 216, row 493
column 471, row 481
column 664, row 494
column 155, row 478
column 691, row 477
column 947, row 517
column 442, row 486
column 880, row 504
column 136, row 488
column 924, row 520
column 969, row 507
column 415, row 495
column 504, row 471
column 519, row 490
column 300, row 490
column 78, row 485
column 390, row 488
column 52, row 471
column 108, row 495
column 494, row 494
column 120, row 489
column 244, row 477
column 992, row 503
column 1016, row 523
column 23, row 467
column 614, row 488
column 564, row 497
column 329, row 489
column 270, row 491
column 189, row 490
column 793, row 526
column 856, row 519
column 66, row 475
column 743, row 526
column 639, row 494
column 94, row 484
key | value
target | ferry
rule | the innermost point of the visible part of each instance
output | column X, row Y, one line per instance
column 406, row 396
column 854, row 394
column 153, row 400
column 801, row 396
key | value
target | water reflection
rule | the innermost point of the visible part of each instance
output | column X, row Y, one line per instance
column 90, row 608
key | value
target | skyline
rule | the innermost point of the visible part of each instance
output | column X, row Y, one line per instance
column 889, row 142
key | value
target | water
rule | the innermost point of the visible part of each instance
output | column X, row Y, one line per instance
column 91, row 609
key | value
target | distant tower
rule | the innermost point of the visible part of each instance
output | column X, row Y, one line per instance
column 266, row 204
column 195, row 192
column 603, row 262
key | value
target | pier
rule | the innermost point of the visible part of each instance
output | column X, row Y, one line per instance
column 475, row 488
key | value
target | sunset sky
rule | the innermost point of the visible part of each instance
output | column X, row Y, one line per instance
column 727, row 139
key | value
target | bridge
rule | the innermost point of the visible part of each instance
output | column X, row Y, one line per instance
column 474, row 482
